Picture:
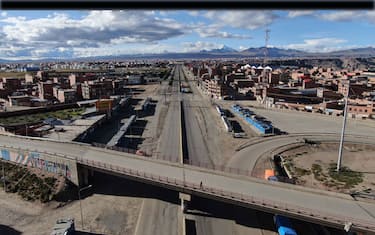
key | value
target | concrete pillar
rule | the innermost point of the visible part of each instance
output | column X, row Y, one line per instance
column 185, row 198
column 83, row 176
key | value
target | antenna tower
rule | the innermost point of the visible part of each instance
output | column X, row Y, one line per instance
column 266, row 39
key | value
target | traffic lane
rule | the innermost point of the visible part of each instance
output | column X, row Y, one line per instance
column 292, row 195
column 170, row 146
column 247, row 157
column 197, row 150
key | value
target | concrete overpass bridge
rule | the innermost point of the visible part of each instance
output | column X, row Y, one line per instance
column 75, row 161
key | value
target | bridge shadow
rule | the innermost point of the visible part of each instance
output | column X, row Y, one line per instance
column 111, row 185
column 6, row 230
column 241, row 215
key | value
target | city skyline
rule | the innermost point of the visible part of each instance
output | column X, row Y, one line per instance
column 70, row 34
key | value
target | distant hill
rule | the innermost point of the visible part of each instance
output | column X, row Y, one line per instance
column 225, row 52
column 366, row 51
column 273, row 52
column 223, row 49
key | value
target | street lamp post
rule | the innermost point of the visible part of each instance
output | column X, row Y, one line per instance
column 343, row 131
column 79, row 198
column 5, row 189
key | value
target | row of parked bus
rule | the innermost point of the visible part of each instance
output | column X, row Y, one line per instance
column 262, row 126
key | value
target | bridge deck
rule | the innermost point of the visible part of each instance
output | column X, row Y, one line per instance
column 325, row 206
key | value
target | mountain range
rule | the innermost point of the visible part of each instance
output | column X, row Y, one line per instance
column 226, row 52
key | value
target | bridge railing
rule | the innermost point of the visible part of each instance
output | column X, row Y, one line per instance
column 206, row 165
column 271, row 204
column 116, row 148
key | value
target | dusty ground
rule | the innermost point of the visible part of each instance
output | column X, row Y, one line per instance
column 106, row 211
column 358, row 157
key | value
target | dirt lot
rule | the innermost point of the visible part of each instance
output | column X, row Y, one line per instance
column 311, row 163
column 106, row 210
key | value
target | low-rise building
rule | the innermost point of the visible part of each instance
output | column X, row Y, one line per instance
column 45, row 90
column 96, row 89
column 67, row 95
column 215, row 88
column 361, row 108
column 19, row 100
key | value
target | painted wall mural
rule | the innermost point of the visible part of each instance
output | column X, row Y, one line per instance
column 33, row 159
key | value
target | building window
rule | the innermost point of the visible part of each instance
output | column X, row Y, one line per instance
column 365, row 110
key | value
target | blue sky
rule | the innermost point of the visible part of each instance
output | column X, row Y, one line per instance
column 69, row 34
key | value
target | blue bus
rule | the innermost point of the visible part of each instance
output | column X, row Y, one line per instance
column 283, row 225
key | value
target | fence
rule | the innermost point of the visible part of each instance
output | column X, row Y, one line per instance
column 238, row 197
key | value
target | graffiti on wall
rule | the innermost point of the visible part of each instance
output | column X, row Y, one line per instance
column 33, row 159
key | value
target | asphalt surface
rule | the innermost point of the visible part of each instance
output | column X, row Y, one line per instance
column 169, row 146
column 158, row 217
column 202, row 148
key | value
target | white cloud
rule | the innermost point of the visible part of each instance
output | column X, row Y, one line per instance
column 242, row 19
column 4, row 14
column 341, row 15
column 199, row 46
column 293, row 14
column 317, row 45
column 194, row 13
column 39, row 52
column 213, row 31
column 96, row 29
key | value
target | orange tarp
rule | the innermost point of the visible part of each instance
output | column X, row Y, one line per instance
column 268, row 173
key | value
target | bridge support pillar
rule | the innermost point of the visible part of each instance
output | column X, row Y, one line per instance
column 84, row 176
column 185, row 198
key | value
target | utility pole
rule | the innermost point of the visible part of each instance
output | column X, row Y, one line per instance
column 266, row 39
column 339, row 160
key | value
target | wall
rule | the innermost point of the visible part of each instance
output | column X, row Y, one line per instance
column 38, row 110
column 46, row 162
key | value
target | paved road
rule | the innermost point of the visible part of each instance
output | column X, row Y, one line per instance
column 169, row 144
column 314, row 200
column 159, row 217
column 215, row 225
column 203, row 147
column 247, row 157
